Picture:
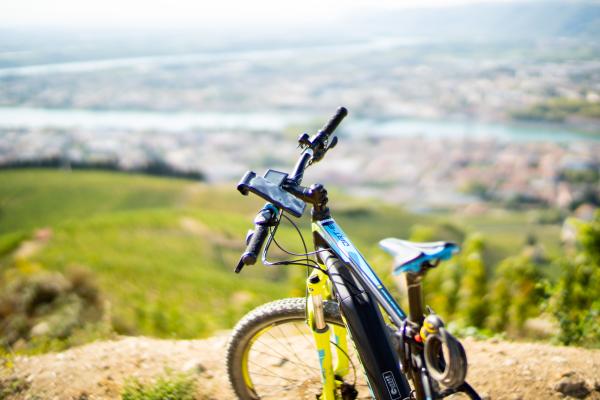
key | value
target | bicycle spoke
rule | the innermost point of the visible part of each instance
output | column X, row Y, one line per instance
column 302, row 365
column 289, row 347
column 269, row 390
column 304, row 335
column 272, row 374
column 287, row 359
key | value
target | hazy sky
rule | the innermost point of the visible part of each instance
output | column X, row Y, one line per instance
column 65, row 13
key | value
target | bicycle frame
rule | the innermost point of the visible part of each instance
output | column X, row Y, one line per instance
column 362, row 317
column 346, row 276
column 337, row 240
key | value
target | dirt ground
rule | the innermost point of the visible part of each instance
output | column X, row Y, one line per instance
column 498, row 370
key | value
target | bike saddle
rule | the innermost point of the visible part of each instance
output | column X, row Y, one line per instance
column 412, row 256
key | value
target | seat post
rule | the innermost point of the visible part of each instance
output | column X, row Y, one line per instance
column 415, row 297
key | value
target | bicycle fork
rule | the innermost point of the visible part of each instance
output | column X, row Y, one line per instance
column 318, row 291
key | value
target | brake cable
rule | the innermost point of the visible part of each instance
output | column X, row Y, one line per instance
column 306, row 252
column 306, row 262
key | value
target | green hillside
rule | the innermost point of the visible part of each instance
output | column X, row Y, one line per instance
column 163, row 262
column 163, row 250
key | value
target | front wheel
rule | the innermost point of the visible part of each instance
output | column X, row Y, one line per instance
column 271, row 355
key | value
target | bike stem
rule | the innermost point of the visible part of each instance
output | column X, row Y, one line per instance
column 315, row 195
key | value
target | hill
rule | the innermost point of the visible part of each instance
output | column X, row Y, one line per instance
column 529, row 20
column 161, row 251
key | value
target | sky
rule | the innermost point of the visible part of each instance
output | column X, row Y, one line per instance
column 103, row 13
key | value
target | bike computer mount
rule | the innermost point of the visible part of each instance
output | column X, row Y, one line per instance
column 269, row 187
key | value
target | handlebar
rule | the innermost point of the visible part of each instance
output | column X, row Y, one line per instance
column 301, row 164
column 265, row 218
column 318, row 145
column 255, row 244
column 333, row 123
column 314, row 149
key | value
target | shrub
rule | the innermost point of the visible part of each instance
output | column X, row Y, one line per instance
column 44, row 310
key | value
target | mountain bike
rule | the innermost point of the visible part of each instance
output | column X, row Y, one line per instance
column 348, row 338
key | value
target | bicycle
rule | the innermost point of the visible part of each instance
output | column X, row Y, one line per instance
column 298, row 348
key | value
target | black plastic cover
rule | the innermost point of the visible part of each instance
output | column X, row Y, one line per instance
column 369, row 332
column 271, row 192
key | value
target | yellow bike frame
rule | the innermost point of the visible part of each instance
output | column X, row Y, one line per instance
column 319, row 290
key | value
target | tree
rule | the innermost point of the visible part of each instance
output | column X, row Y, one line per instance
column 576, row 300
column 441, row 289
column 472, row 296
column 516, row 293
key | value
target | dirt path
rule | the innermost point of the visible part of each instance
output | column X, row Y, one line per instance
column 499, row 370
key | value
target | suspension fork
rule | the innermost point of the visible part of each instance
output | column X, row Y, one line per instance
column 318, row 292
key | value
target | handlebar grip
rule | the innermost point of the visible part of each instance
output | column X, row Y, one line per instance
column 333, row 123
column 264, row 219
column 256, row 243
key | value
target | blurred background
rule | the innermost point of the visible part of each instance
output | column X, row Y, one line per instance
column 124, row 126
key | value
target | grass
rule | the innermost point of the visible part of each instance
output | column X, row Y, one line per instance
column 171, row 386
column 163, row 250
column 36, row 198
column 12, row 386
column 169, row 281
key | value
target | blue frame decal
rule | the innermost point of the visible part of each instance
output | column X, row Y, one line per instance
column 339, row 242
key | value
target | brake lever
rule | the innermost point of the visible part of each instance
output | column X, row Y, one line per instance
column 334, row 141
column 304, row 140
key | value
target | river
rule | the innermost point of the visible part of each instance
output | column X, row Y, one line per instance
column 277, row 121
